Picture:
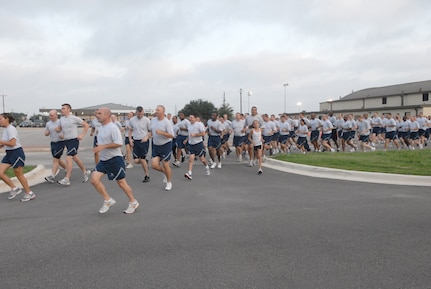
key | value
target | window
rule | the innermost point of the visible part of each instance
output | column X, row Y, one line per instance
column 425, row 97
column 384, row 100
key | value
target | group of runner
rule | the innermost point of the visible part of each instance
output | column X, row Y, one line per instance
column 254, row 136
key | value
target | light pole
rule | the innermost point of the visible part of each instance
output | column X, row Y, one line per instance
column 285, row 85
column 299, row 104
column 3, row 95
column 240, row 100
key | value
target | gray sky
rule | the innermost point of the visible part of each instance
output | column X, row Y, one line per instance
column 149, row 52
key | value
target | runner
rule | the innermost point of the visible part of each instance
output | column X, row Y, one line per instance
column 14, row 158
column 248, row 123
column 215, row 129
column 95, row 125
column 256, row 141
column 327, row 131
column 111, row 162
column 69, row 129
column 364, row 130
column 238, row 126
column 129, row 158
column 196, row 131
column 391, row 131
column 57, row 145
column 182, row 125
column 139, row 135
column 163, row 133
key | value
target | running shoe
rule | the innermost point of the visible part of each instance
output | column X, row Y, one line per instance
column 259, row 172
column 50, row 179
column 213, row 165
column 14, row 192
column 207, row 170
column 168, row 186
column 64, row 182
column 28, row 197
column 219, row 165
column 146, row 179
column 85, row 176
column 176, row 163
column 131, row 208
column 129, row 166
column 188, row 176
column 107, row 205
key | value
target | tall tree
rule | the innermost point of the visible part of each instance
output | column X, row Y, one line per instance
column 226, row 109
column 199, row 107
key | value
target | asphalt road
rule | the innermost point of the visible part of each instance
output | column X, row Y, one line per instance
column 233, row 229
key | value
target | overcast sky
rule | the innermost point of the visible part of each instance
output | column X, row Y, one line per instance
column 149, row 52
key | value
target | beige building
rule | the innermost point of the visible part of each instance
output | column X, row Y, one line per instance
column 405, row 99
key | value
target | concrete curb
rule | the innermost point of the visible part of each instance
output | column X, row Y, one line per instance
column 34, row 177
column 328, row 173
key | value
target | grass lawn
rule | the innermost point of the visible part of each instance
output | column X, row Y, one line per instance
column 417, row 162
column 10, row 173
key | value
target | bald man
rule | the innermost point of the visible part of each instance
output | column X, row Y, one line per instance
column 111, row 162
column 163, row 133
column 57, row 145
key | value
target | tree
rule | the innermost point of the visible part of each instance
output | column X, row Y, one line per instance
column 200, row 107
column 226, row 109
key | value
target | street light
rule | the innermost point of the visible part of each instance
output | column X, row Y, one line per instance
column 248, row 104
column 240, row 100
column 299, row 104
column 285, row 85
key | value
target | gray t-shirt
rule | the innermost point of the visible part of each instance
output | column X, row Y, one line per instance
column 9, row 133
column 183, row 124
column 238, row 127
column 163, row 125
column 140, row 127
column 285, row 128
column 364, row 127
column 69, row 126
column 215, row 124
column 109, row 134
column 197, row 127
column 327, row 126
column 51, row 127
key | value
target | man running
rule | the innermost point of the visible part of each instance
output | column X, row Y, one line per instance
column 163, row 133
column 69, row 128
column 215, row 129
column 139, row 136
column 57, row 145
column 196, row 131
column 111, row 162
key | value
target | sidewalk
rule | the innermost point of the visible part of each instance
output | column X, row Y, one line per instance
column 328, row 173
column 34, row 177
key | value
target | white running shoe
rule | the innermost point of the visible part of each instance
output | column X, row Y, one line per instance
column 332, row 150
column 373, row 149
column 107, row 205
column 168, row 186
column 176, row 163
column 188, row 176
column 14, row 192
column 131, row 208
column 219, row 165
column 64, row 182
column 240, row 158
column 207, row 170
column 85, row 176
column 129, row 166
column 28, row 197
column 213, row 165
column 251, row 164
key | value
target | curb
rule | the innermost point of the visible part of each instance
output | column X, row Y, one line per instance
column 34, row 177
column 356, row 176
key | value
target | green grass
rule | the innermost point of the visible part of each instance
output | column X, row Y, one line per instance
column 10, row 174
column 417, row 162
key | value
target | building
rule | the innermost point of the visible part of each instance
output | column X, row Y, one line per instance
column 405, row 99
column 87, row 113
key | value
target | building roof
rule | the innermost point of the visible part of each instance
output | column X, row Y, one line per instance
column 111, row 106
column 398, row 89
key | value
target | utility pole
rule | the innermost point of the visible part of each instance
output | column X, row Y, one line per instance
column 224, row 98
column 3, row 95
column 240, row 100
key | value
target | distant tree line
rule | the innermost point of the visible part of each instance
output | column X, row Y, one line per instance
column 204, row 109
